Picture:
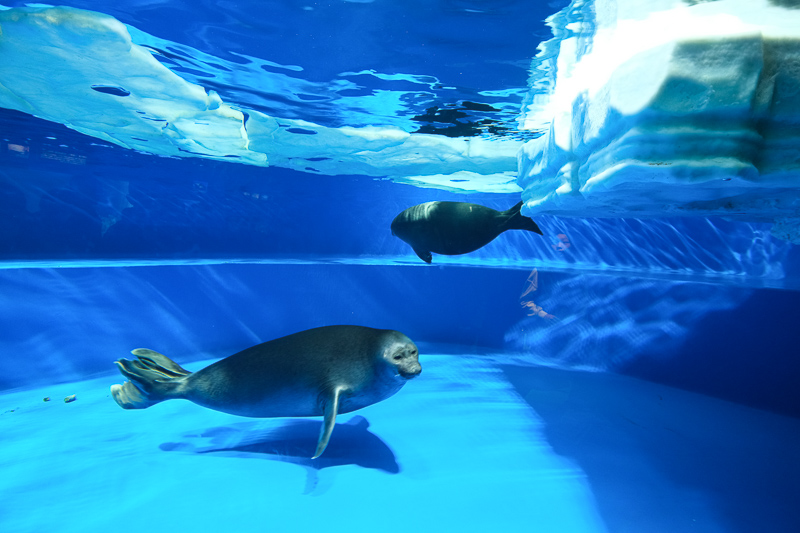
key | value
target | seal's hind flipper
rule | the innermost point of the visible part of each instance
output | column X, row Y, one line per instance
column 159, row 362
column 128, row 396
column 329, row 411
column 515, row 220
column 153, row 378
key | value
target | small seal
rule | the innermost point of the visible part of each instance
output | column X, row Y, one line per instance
column 317, row 372
column 455, row 228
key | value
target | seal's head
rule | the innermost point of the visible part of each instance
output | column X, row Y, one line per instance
column 402, row 356
column 412, row 224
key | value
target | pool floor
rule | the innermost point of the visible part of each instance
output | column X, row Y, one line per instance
column 472, row 444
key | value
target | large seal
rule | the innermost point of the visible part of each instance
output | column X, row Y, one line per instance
column 317, row 372
column 455, row 228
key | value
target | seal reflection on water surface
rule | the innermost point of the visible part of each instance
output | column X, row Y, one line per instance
column 317, row 372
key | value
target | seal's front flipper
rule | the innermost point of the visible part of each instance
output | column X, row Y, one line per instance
column 329, row 410
column 425, row 256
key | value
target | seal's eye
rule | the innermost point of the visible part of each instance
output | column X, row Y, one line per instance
column 397, row 357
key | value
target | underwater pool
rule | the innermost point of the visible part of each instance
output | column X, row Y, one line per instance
column 197, row 178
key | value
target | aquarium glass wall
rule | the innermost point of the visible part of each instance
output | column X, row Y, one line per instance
column 383, row 265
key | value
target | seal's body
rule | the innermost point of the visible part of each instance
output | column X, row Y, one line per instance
column 455, row 228
column 318, row 372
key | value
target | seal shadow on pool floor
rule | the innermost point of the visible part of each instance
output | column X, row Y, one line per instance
column 294, row 442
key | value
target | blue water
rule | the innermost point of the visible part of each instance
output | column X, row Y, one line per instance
column 612, row 375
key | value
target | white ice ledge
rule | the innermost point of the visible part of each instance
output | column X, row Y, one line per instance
column 677, row 108
column 82, row 69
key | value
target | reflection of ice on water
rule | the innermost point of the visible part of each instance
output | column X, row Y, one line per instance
column 533, row 284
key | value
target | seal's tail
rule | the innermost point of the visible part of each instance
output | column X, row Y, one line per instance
column 515, row 220
column 153, row 378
